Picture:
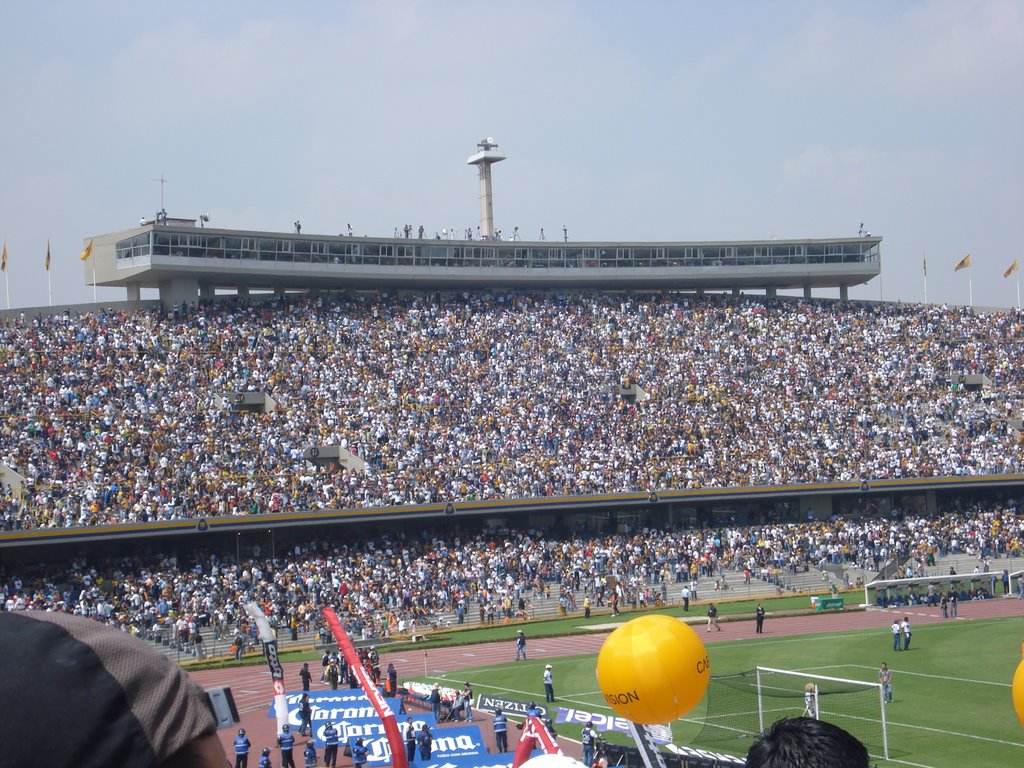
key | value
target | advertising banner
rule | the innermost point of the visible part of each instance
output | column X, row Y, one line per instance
column 449, row 743
column 333, row 705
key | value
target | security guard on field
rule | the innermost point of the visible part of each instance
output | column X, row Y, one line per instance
column 500, row 731
column 286, row 741
column 242, row 746
column 331, row 742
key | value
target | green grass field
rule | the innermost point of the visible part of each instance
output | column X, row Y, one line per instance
column 952, row 704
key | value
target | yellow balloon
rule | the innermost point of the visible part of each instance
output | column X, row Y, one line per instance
column 1018, row 692
column 653, row 669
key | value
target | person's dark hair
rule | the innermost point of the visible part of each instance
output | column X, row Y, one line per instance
column 803, row 742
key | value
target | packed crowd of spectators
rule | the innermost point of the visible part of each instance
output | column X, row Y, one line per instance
column 113, row 417
column 392, row 585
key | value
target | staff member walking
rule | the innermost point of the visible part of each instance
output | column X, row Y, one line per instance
column 434, row 697
column 885, row 678
column 713, row 618
column 587, row 737
column 306, row 715
column 425, row 739
column 409, row 734
column 500, row 731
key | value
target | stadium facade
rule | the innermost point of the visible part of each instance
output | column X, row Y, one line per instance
column 186, row 263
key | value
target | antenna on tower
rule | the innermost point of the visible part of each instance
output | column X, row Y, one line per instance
column 162, row 181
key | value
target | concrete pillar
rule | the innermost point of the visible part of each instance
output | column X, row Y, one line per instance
column 134, row 291
column 772, row 292
column 243, row 291
column 206, row 292
column 807, row 291
column 844, row 293
column 816, row 507
column 735, row 291
column 486, row 201
column 178, row 290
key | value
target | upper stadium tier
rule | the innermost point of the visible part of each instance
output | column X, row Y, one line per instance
column 186, row 262
column 231, row 409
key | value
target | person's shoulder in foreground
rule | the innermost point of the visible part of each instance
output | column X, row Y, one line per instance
column 803, row 742
column 105, row 698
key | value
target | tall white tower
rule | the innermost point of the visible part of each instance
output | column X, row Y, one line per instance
column 484, row 159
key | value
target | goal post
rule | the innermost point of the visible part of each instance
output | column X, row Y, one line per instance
column 742, row 705
column 854, row 705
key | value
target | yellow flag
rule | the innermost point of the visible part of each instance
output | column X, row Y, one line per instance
column 87, row 252
column 1011, row 269
column 963, row 263
column 3, row 264
column 47, row 262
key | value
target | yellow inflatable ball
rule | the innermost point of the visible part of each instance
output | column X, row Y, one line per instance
column 1018, row 692
column 653, row 669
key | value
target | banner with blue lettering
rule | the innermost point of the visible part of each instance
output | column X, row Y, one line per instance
column 338, row 705
column 449, row 743
column 602, row 723
column 367, row 727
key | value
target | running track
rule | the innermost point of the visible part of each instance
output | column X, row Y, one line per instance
column 251, row 685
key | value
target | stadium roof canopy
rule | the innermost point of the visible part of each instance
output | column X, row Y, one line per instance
column 186, row 262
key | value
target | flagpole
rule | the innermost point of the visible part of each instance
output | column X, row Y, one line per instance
column 93, row 280
column 970, row 283
column 7, row 287
column 49, row 284
column 924, row 261
column 1017, row 275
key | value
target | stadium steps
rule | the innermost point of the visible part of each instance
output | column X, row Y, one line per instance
column 965, row 565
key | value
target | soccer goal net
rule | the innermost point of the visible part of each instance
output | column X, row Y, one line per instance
column 742, row 705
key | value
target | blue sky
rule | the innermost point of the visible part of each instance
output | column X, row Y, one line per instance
column 621, row 121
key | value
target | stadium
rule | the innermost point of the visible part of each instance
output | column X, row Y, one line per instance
column 442, row 436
